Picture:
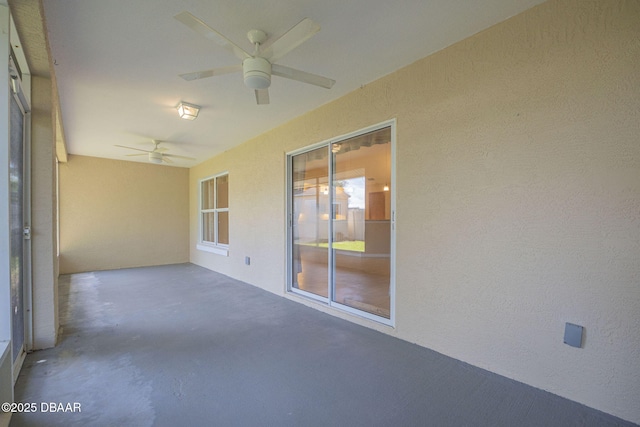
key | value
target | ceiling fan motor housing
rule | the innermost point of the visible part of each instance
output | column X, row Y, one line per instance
column 155, row 157
column 257, row 73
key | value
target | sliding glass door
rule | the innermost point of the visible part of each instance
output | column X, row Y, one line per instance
column 341, row 223
column 362, row 222
column 310, row 226
column 19, row 221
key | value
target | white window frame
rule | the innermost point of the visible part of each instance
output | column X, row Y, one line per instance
column 203, row 245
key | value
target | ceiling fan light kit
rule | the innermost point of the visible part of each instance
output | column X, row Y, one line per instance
column 155, row 157
column 188, row 111
column 257, row 73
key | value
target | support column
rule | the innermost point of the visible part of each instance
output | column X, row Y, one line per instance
column 43, row 215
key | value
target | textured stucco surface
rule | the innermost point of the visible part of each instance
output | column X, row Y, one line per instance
column 44, row 268
column 117, row 214
column 518, row 198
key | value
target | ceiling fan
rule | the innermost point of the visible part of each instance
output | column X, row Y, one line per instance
column 156, row 155
column 257, row 68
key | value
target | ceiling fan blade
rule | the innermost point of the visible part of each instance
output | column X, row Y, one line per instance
column 210, row 73
column 301, row 76
column 166, row 160
column 298, row 34
column 131, row 148
column 262, row 96
column 206, row 31
column 137, row 154
column 177, row 157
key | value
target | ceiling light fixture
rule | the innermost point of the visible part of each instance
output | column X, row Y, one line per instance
column 188, row 111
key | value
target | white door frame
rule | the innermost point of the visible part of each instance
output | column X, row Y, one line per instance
column 289, row 227
column 17, row 90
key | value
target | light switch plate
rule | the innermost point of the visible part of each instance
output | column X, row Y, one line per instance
column 573, row 335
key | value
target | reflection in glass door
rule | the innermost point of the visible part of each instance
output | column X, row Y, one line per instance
column 341, row 228
column 17, row 222
column 310, row 222
column 362, row 222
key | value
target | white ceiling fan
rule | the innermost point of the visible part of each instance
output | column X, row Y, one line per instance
column 258, row 67
column 156, row 155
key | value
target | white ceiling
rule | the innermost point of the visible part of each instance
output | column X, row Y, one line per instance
column 117, row 63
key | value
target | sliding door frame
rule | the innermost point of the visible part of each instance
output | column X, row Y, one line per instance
column 329, row 300
column 21, row 98
column 289, row 243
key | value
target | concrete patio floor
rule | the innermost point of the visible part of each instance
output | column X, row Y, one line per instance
column 180, row 345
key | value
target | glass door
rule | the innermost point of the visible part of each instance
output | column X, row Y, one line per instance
column 361, row 249
column 340, row 224
column 16, row 153
column 310, row 222
column 19, row 221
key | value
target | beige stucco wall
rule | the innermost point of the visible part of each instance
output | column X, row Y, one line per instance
column 518, row 198
column 44, row 265
column 117, row 214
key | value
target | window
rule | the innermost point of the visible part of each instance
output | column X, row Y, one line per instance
column 214, row 214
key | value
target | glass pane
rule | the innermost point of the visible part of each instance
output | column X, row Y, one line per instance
column 223, row 228
column 222, row 187
column 208, row 201
column 361, row 222
column 310, row 217
column 208, row 227
column 16, row 221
